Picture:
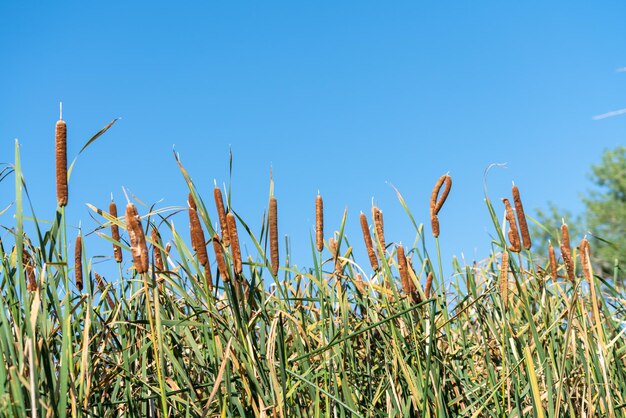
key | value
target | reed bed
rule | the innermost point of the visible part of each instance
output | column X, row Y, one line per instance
column 376, row 333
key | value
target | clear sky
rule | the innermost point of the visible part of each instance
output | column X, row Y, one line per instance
column 347, row 98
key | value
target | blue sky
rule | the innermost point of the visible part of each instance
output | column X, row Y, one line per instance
column 346, row 98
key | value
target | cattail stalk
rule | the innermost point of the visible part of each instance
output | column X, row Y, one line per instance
column 234, row 243
column 115, row 233
column 521, row 218
column 437, row 204
column 553, row 265
column 585, row 261
column 368, row 242
column 61, row 161
column 379, row 228
column 78, row 262
column 138, row 246
column 273, row 227
column 221, row 261
column 221, row 214
column 504, row 278
column 513, row 233
column 566, row 252
column 319, row 223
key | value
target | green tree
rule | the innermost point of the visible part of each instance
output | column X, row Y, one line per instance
column 604, row 216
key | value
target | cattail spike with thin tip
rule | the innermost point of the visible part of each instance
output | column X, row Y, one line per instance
column 566, row 252
column 198, row 243
column 115, row 233
column 513, row 233
column 61, row 160
column 368, row 242
column 138, row 246
column 521, row 218
column 273, row 229
column 319, row 223
column 78, row 262
column 156, row 251
column 221, row 215
column 379, row 227
column 234, row 243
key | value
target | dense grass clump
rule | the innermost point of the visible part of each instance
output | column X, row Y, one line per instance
column 200, row 329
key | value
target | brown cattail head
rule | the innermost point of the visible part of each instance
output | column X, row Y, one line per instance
column 198, row 243
column 513, row 234
column 221, row 261
column 78, row 262
column 436, row 204
column 379, row 227
column 234, row 243
column 138, row 246
column 585, row 261
column 429, row 285
column 273, row 226
column 403, row 268
column 504, row 278
column 221, row 214
column 29, row 266
column 61, row 162
column 553, row 265
column 319, row 223
column 566, row 252
column 115, row 233
column 368, row 242
column 521, row 218
column 158, row 259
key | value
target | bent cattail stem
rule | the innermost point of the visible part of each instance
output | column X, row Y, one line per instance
column 61, row 162
column 198, row 243
column 368, row 242
column 234, row 243
column 273, row 227
column 138, row 246
column 553, row 265
column 379, row 231
column 29, row 265
column 221, row 214
column 566, row 252
column 437, row 204
column 115, row 233
column 585, row 259
column 78, row 262
column 429, row 285
column 513, row 233
column 521, row 218
column 158, row 259
column 319, row 223
column 504, row 278
column 219, row 257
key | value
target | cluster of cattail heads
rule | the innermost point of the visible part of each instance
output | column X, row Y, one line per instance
column 514, row 233
column 436, row 201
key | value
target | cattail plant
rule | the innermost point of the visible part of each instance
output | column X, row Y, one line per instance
column 437, row 204
column 379, row 228
column 29, row 265
column 221, row 215
column 521, row 218
column 78, row 262
column 198, row 243
column 319, row 223
column 61, row 160
column 504, row 278
column 405, row 279
column 115, row 233
column 234, row 243
column 156, row 251
column 513, row 233
column 334, row 249
column 585, row 261
column 368, row 242
column 566, row 252
column 552, row 258
column 221, row 261
column 429, row 285
column 273, row 229
column 101, row 283
column 138, row 246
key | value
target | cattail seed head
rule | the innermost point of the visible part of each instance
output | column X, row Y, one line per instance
column 521, row 218
column 403, row 268
column 29, row 265
column 585, row 261
column 379, row 228
column 221, row 261
column 273, row 227
column 115, row 233
column 437, row 204
column 78, row 262
column 513, row 233
column 61, row 162
column 158, row 259
column 566, row 252
column 138, row 246
column 234, row 243
column 221, row 214
column 553, row 265
column 198, row 243
column 319, row 223
column 504, row 278
column 429, row 285
column 368, row 242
